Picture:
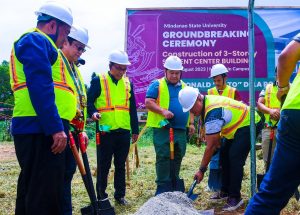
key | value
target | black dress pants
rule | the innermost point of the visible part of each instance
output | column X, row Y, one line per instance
column 115, row 144
column 41, row 180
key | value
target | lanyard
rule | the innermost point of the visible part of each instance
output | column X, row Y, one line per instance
column 73, row 73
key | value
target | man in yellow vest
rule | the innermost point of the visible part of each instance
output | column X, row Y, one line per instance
column 283, row 177
column 218, row 73
column 231, row 119
column 71, row 51
column 111, row 102
column 162, row 103
column 269, row 105
column 45, row 102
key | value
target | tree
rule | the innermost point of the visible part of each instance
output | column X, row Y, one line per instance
column 6, row 95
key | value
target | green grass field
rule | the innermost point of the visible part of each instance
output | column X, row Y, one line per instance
column 140, row 187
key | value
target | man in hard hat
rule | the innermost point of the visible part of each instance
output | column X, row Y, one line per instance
column 231, row 119
column 283, row 177
column 162, row 103
column 269, row 105
column 71, row 51
column 111, row 101
column 45, row 102
column 219, row 75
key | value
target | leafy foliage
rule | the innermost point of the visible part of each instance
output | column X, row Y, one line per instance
column 6, row 95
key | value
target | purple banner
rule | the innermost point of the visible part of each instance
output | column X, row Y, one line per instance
column 201, row 38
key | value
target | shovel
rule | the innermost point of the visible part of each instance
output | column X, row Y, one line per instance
column 190, row 193
column 102, row 207
column 89, row 210
column 175, row 184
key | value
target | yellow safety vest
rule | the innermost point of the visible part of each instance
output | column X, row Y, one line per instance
column 113, row 102
column 271, row 101
column 240, row 113
column 227, row 92
column 80, row 92
column 292, row 100
column 163, row 100
column 64, row 88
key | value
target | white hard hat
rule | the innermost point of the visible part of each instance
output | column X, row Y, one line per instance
column 173, row 63
column 80, row 34
column 218, row 69
column 119, row 57
column 56, row 10
column 187, row 97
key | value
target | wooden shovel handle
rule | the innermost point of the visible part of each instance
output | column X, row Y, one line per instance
column 171, row 133
column 76, row 155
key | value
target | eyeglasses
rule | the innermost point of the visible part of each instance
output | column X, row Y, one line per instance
column 120, row 68
column 79, row 48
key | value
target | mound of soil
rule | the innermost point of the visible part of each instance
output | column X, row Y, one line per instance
column 170, row 203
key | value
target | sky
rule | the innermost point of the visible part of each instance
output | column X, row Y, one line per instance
column 105, row 21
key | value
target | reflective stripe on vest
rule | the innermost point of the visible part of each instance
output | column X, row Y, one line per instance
column 271, row 101
column 292, row 100
column 163, row 99
column 227, row 92
column 64, row 88
column 240, row 113
column 113, row 102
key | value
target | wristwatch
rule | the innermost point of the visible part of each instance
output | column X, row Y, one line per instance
column 202, row 169
column 283, row 89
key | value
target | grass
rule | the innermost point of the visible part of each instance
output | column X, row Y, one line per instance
column 4, row 130
column 140, row 187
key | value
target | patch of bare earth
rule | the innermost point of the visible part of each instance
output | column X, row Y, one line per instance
column 7, row 152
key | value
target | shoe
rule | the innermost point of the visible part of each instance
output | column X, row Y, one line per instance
column 218, row 196
column 232, row 204
column 122, row 201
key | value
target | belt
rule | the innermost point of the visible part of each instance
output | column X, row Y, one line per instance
column 118, row 130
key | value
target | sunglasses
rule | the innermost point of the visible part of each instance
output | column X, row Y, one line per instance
column 119, row 68
column 80, row 48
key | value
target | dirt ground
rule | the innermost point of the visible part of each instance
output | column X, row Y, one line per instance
column 139, row 190
column 7, row 152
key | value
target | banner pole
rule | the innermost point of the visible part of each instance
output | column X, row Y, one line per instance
column 251, row 44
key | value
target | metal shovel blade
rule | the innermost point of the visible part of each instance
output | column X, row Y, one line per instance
column 104, row 207
column 190, row 193
column 88, row 210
